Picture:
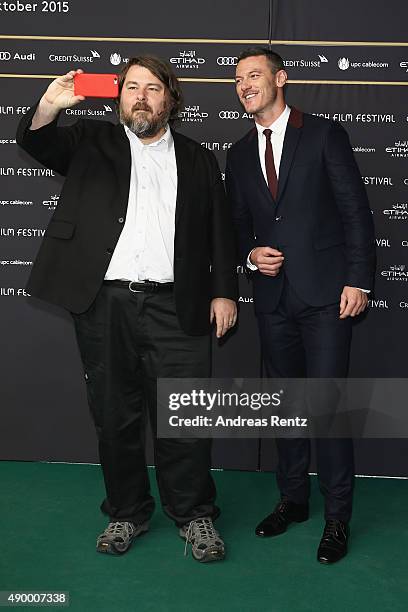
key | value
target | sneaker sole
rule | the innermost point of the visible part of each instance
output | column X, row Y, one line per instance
column 112, row 548
column 210, row 555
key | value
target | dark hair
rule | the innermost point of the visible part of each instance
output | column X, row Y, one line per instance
column 164, row 73
column 275, row 60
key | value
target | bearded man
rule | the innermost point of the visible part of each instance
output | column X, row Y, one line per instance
column 141, row 252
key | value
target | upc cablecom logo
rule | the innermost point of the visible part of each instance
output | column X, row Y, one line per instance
column 343, row 63
column 116, row 59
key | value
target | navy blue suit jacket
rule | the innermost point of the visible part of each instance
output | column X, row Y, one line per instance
column 321, row 219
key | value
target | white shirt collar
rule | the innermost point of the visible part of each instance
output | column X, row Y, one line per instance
column 165, row 141
column 279, row 125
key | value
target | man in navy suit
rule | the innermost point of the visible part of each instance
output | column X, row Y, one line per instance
column 305, row 229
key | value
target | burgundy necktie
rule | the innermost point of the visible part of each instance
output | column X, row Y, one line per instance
column 270, row 165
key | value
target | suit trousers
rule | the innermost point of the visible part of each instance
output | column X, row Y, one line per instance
column 299, row 341
column 126, row 341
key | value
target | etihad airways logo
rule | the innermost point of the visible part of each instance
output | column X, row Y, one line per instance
column 52, row 203
column 187, row 60
column 397, row 212
column 395, row 273
column 193, row 114
column 399, row 149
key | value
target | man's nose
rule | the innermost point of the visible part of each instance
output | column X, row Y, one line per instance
column 141, row 94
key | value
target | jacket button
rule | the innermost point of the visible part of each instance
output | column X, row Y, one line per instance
column 120, row 220
column 109, row 251
column 278, row 218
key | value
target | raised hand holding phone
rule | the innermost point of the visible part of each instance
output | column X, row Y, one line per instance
column 60, row 94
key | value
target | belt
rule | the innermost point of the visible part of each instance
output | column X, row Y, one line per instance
column 143, row 287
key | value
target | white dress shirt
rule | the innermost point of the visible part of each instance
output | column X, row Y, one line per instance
column 278, row 128
column 145, row 249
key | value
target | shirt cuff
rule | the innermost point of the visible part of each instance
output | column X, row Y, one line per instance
column 364, row 290
column 249, row 263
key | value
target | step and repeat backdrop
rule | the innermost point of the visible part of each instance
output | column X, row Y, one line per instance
column 347, row 62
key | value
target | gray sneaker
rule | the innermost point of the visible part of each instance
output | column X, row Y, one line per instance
column 118, row 537
column 206, row 544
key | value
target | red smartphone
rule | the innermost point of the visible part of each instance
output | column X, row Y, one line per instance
column 96, row 85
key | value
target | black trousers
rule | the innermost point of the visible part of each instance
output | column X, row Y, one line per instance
column 127, row 340
column 300, row 341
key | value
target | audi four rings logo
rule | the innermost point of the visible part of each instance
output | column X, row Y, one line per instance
column 227, row 61
column 228, row 114
column 5, row 55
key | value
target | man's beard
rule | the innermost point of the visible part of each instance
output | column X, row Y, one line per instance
column 142, row 124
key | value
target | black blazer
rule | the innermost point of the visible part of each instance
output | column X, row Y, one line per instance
column 81, row 236
column 321, row 219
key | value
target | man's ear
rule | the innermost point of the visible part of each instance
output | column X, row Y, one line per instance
column 281, row 78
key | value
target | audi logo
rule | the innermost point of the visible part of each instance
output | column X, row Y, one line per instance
column 5, row 55
column 227, row 61
column 228, row 114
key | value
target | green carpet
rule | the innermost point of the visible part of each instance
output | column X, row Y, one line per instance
column 50, row 518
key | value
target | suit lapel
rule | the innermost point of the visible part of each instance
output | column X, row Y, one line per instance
column 185, row 162
column 292, row 136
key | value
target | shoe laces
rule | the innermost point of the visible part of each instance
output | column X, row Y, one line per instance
column 333, row 528
column 118, row 528
column 280, row 510
column 201, row 529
